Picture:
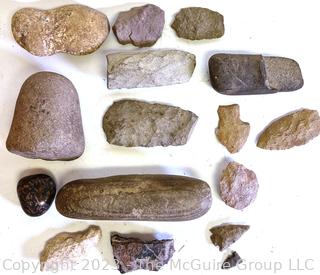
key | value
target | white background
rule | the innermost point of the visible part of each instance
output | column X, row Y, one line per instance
column 284, row 217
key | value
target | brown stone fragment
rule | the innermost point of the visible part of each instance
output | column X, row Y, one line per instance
column 232, row 260
column 140, row 26
column 47, row 120
column 226, row 234
column 198, row 23
column 135, row 197
column 133, row 254
column 243, row 74
column 68, row 248
column 295, row 129
column 231, row 131
column 73, row 29
column 238, row 186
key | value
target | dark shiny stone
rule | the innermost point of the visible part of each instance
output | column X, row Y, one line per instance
column 36, row 194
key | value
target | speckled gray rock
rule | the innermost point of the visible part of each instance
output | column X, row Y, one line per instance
column 242, row 74
column 149, row 69
column 238, row 186
column 295, row 129
column 198, row 23
column 232, row 132
column 135, row 197
column 226, row 234
column 133, row 123
column 73, row 29
column 47, row 119
column 133, row 254
column 140, row 26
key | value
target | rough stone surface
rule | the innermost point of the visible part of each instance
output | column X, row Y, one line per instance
column 135, row 197
column 140, row 26
column 47, row 120
column 36, row 194
column 295, row 129
column 133, row 123
column 133, row 254
column 242, row 74
column 226, row 234
column 68, row 248
column 232, row 132
column 149, row 69
column 73, row 29
column 232, row 260
column 198, row 23
column 238, row 186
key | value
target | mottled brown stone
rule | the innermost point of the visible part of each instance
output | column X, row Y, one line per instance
column 47, row 120
column 133, row 254
column 295, row 129
column 238, row 186
column 133, row 123
column 198, row 23
column 135, row 197
column 226, row 234
column 73, row 29
column 232, row 132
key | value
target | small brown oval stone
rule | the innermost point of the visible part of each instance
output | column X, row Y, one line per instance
column 135, row 197
column 47, row 120
column 73, row 29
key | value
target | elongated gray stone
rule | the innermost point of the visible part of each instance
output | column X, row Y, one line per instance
column 149, row 69
column 133, row 123
column 135, row 197
column 242, row 74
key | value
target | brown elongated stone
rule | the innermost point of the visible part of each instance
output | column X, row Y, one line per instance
column 133, row 254
column 243, row 74
column 135, row 197
column 67, row 248
column 295, row 129
column 134, row 123
column 232, row 132
column 47, row 121
column 196, row 23
column 226, row 234
column 73, row 29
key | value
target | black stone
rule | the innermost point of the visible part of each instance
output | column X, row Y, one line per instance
column 36, row 194
column 232, row 260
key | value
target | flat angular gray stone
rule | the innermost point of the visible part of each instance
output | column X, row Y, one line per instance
column 140, row 26
column 133, row 123
column 47, row 120
column 242, row 74
column 149, row 69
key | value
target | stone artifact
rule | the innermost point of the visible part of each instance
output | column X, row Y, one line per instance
column 232, row 260
column 226, row 234
column 242, row 74
column 135, row 197
column 133, row 123
column 295, row 129
column 140, row 26
column 73, row 29
column 36, row 194
column 198, row 23
column 232, row 132
column 47, row 119
column 133, row 254
column 238, row 186
column 149, row 69
column 68, row 248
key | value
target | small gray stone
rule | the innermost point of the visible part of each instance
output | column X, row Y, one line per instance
column 149, row 69
column 47, row 120
column 133, row 123
column 232, row 260
column 140, row 26
column 198, row 23
column 242, row 74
